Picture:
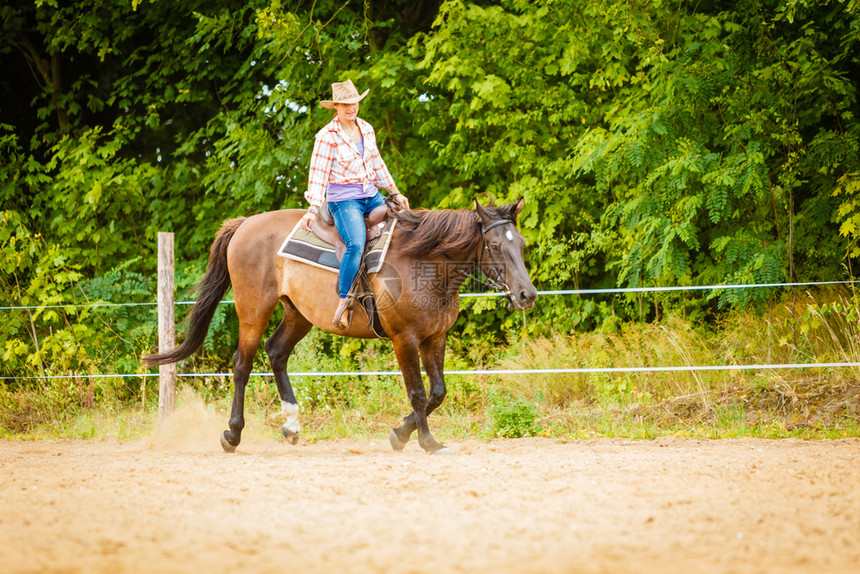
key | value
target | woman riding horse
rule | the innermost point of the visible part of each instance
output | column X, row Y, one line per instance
column 347, row 170
column 444, row 245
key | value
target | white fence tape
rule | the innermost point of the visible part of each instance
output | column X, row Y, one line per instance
column 493, row 294
column 573, row 370
column 490, row 371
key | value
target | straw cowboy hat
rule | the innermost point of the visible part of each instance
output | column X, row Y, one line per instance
column 343, row 93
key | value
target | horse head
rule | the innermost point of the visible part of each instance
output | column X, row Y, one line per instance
column 501, row 259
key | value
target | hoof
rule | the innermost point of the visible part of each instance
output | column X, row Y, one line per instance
column 441, row 452
column 291, row 436
column 395, row 441
column 225, row 444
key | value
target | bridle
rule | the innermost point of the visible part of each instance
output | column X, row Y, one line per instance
column 497, row 283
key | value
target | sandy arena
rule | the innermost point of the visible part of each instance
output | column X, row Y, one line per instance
column 171, row 504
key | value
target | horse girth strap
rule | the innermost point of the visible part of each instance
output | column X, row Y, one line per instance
column 361, row 292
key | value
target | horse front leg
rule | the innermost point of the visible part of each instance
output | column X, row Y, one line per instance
column 432, row 352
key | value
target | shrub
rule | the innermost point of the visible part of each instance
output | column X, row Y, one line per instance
column 514, row 418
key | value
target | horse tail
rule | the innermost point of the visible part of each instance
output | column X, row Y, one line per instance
column 211, row 289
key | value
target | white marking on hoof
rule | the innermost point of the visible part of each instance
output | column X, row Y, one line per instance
column 291, row 412
column 442, row 451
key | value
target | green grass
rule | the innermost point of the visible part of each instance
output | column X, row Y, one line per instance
column 731, row 415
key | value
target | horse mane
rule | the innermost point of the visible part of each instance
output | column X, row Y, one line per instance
column 441, row 231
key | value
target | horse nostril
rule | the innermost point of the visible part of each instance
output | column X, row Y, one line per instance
column 527, row 298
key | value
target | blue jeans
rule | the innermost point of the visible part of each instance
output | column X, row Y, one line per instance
column 349, row 219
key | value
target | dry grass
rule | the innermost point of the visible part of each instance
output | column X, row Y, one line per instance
column 815, row 329
column 674, row 344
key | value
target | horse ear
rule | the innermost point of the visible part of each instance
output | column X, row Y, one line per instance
column 482, row 213
column 517, row 208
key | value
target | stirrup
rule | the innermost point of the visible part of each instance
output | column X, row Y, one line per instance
column 345, row 307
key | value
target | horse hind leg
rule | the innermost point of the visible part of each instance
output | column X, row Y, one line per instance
column 250, row 335
column 292, row 329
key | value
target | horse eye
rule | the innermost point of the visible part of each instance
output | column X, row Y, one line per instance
column 495, row 247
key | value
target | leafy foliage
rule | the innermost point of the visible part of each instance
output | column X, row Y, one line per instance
column 722, row 147
column 655, row 143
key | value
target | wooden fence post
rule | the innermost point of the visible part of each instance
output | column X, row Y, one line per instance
column 166, row 326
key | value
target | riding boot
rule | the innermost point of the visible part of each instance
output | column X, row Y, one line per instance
column 345, row 307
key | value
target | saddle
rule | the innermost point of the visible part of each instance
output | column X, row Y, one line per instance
column 360, row 291
column 325, row 229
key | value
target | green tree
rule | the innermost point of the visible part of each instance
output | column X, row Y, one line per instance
column 656, row 143
column 131, row 117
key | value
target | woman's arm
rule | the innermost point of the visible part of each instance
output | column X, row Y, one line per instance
column 319, row 173
column 383, row 179
column 318, row 177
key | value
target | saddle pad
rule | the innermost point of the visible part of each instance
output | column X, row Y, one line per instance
column 305, row 246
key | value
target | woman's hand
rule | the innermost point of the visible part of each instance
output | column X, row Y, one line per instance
column 401, row 200
column 307, row 220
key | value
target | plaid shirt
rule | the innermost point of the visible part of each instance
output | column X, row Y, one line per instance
column 336, row 160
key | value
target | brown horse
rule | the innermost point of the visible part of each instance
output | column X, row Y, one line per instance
column 431, row 255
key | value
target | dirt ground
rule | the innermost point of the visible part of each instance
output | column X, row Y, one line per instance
column 176, row 503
